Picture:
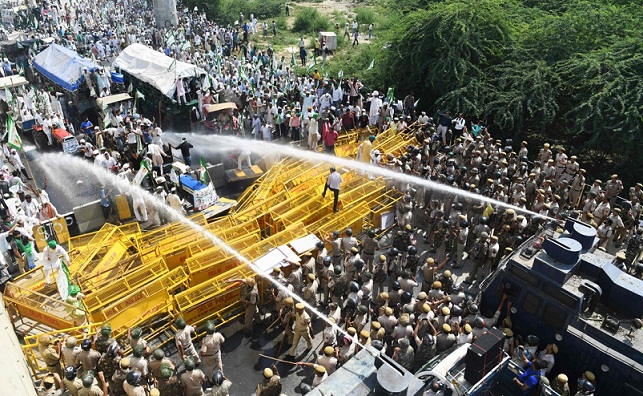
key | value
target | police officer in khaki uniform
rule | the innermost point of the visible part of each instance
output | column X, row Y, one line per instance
column 90, row 387
column 310, row 290
column 211, row 350
column 249, row 300
column 271, row 384
column 50, row 354
column 192, row 380
column 47, row 387
column 303, row 329
column 287, row 316
column 87, row 358
column 183, row 339
column 118, row 379
column 71, row 382
column 220, row 385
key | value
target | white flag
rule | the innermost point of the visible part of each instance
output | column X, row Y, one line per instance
column 371, row 65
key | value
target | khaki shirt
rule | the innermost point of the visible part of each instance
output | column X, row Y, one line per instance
column 192, row 382
column 211, row 344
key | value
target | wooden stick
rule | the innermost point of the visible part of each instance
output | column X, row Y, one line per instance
column 278, row 360
column 273, row 323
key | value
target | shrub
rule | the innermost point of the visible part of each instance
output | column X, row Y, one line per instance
column 365, row 16
column 310, row 20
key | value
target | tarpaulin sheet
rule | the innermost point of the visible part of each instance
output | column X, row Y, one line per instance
column 155, row 68
column 63, row 66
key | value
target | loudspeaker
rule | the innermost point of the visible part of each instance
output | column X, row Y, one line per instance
column 484, row 355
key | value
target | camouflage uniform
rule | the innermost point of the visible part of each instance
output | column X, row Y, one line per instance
column 406, row 358
column 116, row 383
column 108, row 365
column 170, row 387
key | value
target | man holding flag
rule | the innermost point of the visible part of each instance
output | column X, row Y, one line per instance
column 51, row 259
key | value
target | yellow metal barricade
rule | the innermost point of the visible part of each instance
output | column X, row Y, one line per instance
column 127, row 284
column 218, row 260
column 41, row 308
column 144, row 303
column 213, row 298
column 30, row 348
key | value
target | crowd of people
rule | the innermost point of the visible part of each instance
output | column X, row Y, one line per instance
column 397, row 300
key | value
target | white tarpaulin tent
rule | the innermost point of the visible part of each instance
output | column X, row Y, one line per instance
column 155, row 68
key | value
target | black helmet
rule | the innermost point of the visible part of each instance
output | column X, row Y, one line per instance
column 456, row 310
column 524, row 159
column 133, row 377
column 351, row 303
column 464, row 223
column 406, row 297
column 463, row 169
column 473, row 308
column 327, row 261
column 478, row 322
column 370, row 233
column 415, row 151
column 393, row 252
column 436, row 160
column 396, row 285
column 320, row 245
column 407, row 208
column 518, row 240
column 113, row 349
column 377, row 344
column 88, row 380
column 354, row 287
column 217, row 378
column 450, row 179
column 413, row 250
column 447, row 149
column 86, row 345
column 585, row 387
column 457, row 206
column 335, row 234
column 338, row 270
column 348, row 232
column 359, row 264
column 411, row 191
column 70, row 372
column 482, row 220
column 533, row 340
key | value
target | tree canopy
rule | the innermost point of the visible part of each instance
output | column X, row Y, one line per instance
column 570, row 71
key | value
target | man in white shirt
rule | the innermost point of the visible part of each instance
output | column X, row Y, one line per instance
column 333, row 183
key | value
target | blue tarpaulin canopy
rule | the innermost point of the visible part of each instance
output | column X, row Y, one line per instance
column 63, row 66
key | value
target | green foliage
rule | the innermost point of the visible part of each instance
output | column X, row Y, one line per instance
column 572, row 70
column 310, row 20
column 365, row 16
column 227, row 11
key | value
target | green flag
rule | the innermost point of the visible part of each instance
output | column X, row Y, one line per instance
column 170, row 40
column 204, row 174
column 390, row 94
column 145, row 165
column 311, row 67
column 139, row 95
column 14, row 139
